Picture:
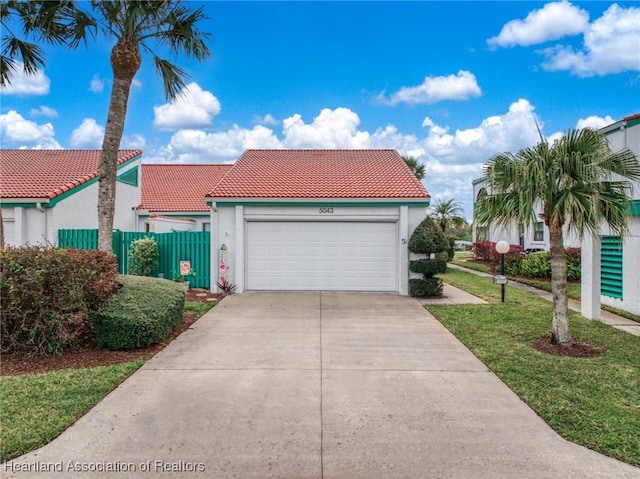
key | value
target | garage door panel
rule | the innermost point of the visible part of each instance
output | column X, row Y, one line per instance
column 321, row 256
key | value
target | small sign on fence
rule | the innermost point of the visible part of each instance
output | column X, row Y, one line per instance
column 185, row 268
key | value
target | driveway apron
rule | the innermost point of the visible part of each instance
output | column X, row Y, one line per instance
column 314, row 385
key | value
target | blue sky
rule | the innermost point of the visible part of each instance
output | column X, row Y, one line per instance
column 451, row 83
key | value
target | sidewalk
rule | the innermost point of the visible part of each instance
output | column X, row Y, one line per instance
column 613, row 320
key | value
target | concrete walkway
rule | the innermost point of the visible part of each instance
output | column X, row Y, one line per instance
column 624, row 324
column 315, row 385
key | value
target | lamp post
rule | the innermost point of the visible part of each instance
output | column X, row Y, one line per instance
column 502, row 247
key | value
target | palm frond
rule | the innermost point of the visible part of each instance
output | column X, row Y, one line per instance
column 172, row 77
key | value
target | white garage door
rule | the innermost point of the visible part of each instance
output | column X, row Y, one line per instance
column 342, row 256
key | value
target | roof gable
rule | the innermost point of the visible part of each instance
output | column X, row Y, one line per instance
column 319, row 174
column 172, row 188
column 49, row 173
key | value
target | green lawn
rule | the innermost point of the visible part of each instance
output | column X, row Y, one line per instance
column 461, row 261
column 593, row 402
column 35, row 408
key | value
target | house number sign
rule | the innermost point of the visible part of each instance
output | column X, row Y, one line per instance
column 325, row 210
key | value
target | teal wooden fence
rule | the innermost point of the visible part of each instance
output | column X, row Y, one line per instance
column 176, row 246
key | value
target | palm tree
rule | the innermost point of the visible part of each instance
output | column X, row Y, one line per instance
column 53, row 22
column 448, row 213
column 136, row 25
column 415, row 166
column 577, row 182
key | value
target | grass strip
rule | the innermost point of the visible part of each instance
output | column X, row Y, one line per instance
column 199, row 308
column 35, row 408
column 593, row 402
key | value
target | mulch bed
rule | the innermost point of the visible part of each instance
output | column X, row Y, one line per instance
column 577, row 349
column 87, row 355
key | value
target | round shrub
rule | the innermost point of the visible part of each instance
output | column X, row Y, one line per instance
column 144, row 257
column 428, row 238
column 145, row 311
column 426, row 287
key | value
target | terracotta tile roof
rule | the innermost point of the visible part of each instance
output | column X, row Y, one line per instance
column 167, row 188
column 49, row 173
column 319, row 174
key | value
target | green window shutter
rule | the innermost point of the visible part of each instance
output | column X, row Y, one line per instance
column 635, row 208
column 129, row 177
column 611, row 267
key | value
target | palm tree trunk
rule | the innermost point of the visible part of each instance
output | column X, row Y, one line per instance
column 124, row 69
column 560, row 332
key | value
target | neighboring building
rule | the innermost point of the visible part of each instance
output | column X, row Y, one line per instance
column 42, row 191
column 611, row 264
column 173, row 197
column 316, row 220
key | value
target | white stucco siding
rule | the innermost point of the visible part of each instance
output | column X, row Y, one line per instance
column 196, row 223
column 229, row 227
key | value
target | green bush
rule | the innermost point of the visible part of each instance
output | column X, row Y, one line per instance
column 143, row 312
column 47, row 294
column 430, row 267
column 144, row 257
column 536, row 265
column 452, row 248
column 425, row 287
column 428, row 238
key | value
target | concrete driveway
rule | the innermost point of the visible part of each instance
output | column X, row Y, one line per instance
column 315, row 385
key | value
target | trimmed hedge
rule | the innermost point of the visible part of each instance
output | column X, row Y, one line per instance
column 429, row 267
column 47, row 295
column 426, row 287
column 145, row 311
column 428, row 238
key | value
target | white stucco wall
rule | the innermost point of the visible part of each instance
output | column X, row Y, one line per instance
column 197, row 224
column 228, row 228
column 620, row 136
column 77, row 210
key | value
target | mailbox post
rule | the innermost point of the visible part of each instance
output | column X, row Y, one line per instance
column 502, row 247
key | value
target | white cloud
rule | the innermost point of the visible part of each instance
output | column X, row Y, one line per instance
column 27, row 85
column 460, row 86
column 197, row 146
column 96, row 85
column 330, row 129
column 133, row 142
column 551, row 22
column 17, row 132
column 88, row 135
column 44, row 111
column 611, row 45
column 495, row 134
column 595, row 122
column 268, row 119
column 194, row 109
